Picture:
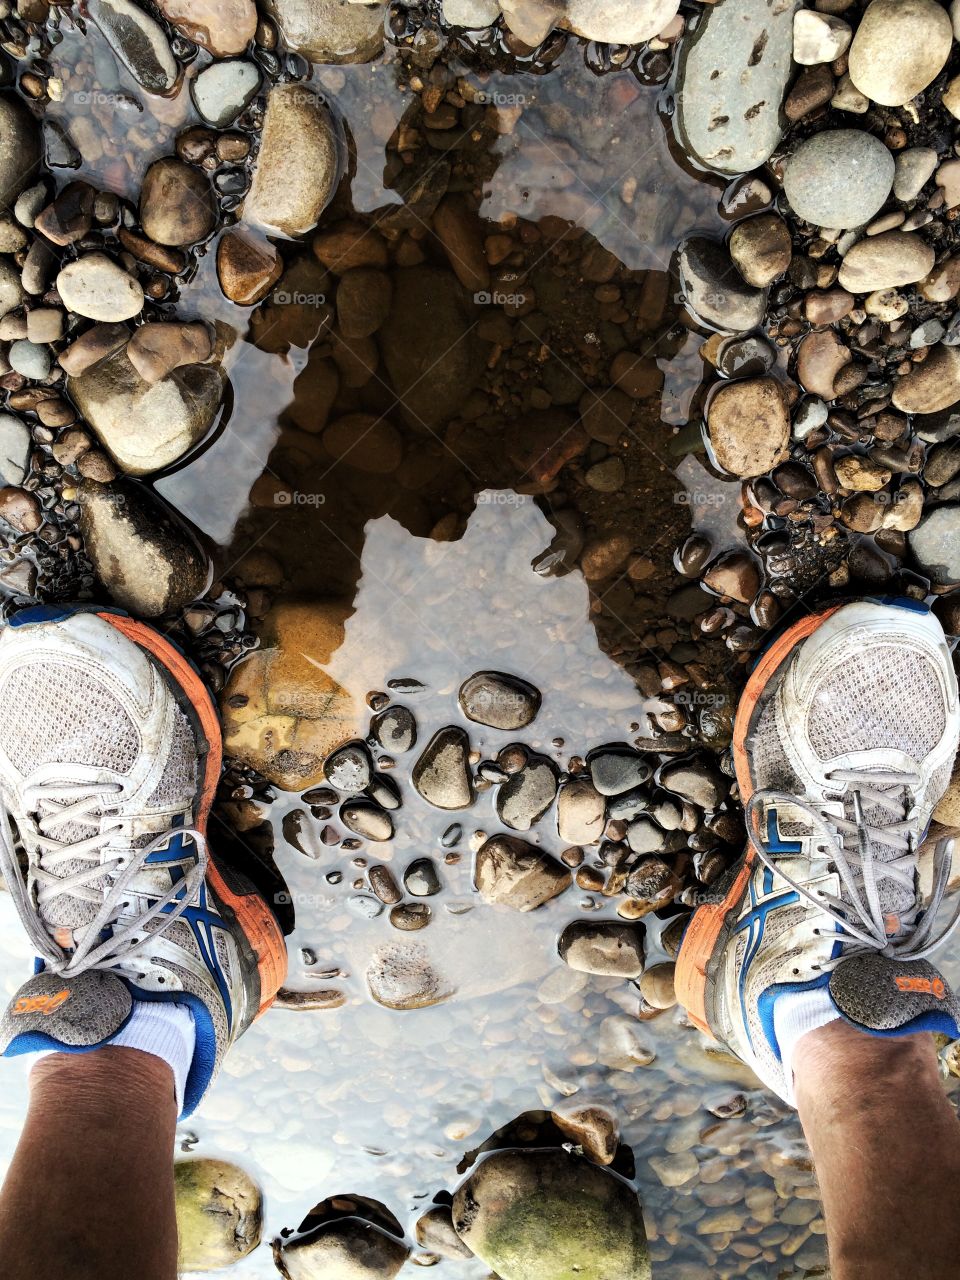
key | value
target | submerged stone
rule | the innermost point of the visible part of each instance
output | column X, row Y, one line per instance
column 547, row 1215
column 442, row 774
column 138, row 41
column 402, row 976
column 343, row 1249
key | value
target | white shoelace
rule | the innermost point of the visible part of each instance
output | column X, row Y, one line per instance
column 51, row 807
column 850, row 844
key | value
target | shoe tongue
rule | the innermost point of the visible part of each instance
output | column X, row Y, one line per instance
column 885, row 996
column 80, row 1012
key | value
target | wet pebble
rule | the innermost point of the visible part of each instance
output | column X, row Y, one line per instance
column 529, row 793
column 394, row 729
column 515, row 874
column 613, row 950
column 366, row 820
column 421, row 878
column 410, row 916
column 838, row 178
column 499, row 700
column 442, row 773
column 349, row 768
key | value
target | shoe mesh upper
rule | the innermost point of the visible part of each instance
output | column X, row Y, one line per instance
column 882, row 696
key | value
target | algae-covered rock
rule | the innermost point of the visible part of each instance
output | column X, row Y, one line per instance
column 548, row 1215
column 218, row 1214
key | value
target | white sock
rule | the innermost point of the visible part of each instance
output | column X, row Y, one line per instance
column 165, row 1030
column 168, row 1032
column 796, row 1014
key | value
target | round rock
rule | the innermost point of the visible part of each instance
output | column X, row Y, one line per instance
column 96, row 288
column 886, row 261
column 839, row 178
column 899, row 48
column 749, row 426
column 498, row 700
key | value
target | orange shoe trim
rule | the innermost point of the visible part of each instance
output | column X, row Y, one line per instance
column 706, row 924
column 254, row 916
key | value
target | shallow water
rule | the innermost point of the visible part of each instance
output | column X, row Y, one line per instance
column 361, row 1099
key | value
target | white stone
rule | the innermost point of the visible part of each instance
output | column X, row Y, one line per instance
column 819, row 37
column 619, row 21
column 849, row 98
column 97, row 289
column 470, row 13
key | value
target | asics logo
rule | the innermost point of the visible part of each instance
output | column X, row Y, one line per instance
column 40, row 1004
column 926, row 986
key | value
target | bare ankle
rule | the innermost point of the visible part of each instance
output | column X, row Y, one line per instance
column 108, row 1081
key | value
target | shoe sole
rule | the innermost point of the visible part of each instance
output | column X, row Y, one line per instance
column 710, row 926
column 265, row 951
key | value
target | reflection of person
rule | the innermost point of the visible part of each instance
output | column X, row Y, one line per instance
column 154, row 957
column 812, row 968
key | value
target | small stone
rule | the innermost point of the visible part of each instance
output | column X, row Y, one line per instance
column 515, row 874
column 914, row 167
column 328, row 30
column 349, row 768
column 592, row 1128
column 366, row 820
column 30, row 360
column 838, row 178
column 411, row 916
column 749, row 426
column 675, row 1170
column 298, row 164
column 342, row 1248
column 157, row 349
column 657, row 986
column 611, row 950
column 935, row 545
column 401, row 975
column 470, row 13
column 932, row 385
column 224, row 89
column 96, row 288
column 176, row 204
column 761, row 249
column 943, row 282
column 697, row 781
column 363, row 301
column 221, row 26
column 849, row 98
column 219, row 1214
column 435, row 1230
column 714, row 290
column 247, row 267
column 528, row 794
column 735, row 576
column 421, row 879
column 19, row 151
column 607, row 476
column 616, row 770
column 886, row 261
column 820, row 357
column 442, row 773
column 580, row 812
column 20, row 509
column 144, row 554
column 394, row 729
column 602, row 557
column 44, row 324
column 138, row 41
column 14, row 449
column 819, row 37
column 899, row 48
column 498, row 700
column 653, row 884
column 621, row 1046
column 860, row 473
column 886, row 305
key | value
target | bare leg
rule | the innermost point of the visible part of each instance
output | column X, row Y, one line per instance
column 886, row 1143
column 89, row 1194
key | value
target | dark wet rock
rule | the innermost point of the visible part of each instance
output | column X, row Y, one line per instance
column 580, row 812
column 349, row 768
column 385, row 792
column 365, row 441
column 749, row 426
column 515, row 874
column 145, row 556
column 499, row 700
column 525, row 798
column 138, row 41
column 452, row 836
column 617, row 769
column 565, row 546
column 611, row 950
column 838, row 178
column 421, row 878
column 330, row 30
column 732, row 79
column 745, row 357
column 761, row 249
column 442, row 773
column 394, row 729
column 384, row 885
column 735, row 576
column 341, row 1249
column 147, row 426
column 298, row 164
column 434, row 376
column 219, row 1213
column 545, row 1214
column 95, row 287
column 363, row 301
column 366, row 820
column 714, row 289
column 698, row 781
column 176, row 204
column 935, row 545
column 19, row 149
column 435, row 1231
column 401, row 975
